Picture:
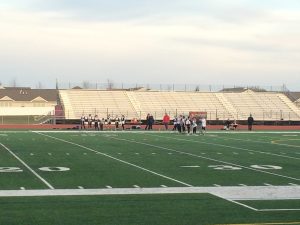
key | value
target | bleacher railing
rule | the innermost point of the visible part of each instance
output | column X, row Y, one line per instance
column 166, row 87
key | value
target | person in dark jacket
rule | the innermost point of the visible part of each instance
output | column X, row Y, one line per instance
column 147, row 121
column 250, row 122
column 151, row 122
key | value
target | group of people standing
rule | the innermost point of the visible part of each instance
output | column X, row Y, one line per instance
column 184, row 124
column 88, row 122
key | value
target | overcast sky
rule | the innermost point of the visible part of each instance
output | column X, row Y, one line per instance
column 241, row 42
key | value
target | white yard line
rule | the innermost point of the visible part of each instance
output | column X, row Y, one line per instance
column 276, row 210
column 227, row 146
column 206, row 158
column 116, row 159
column 28, row 167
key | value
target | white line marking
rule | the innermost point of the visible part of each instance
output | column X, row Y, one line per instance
column 190, row 166
column 250, row 193
column 268, row 184
column 119, row 160
column 243, row 185
column 28, row 167
column 235, row 153
column 49, row 153
column 238, row 203
column 164, row 186
column 207, row 158
column 293, row 184
column 80, row 187
column 67, row 153
column 31, row 154
column 136, row 186
column 276, row 210
column 219, row 153
column 153, row 153
column 137, row 153
column 22, row 188
column 217, row 185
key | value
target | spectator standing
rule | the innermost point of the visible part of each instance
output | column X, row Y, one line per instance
column 147, row 121
column 183, row 124
column 175, row 123
column 151, row 122
column 194, row 125
column 96, row 122
column 123, row 122
column 90, row 119
column 117, row 122
column 250, row 122
column 166, row 121
column 203, row 125
column 188, row 125
column 235, row 125
column 179, row 123
column 82, row 122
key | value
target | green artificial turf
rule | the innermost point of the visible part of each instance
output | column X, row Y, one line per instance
column 126, row 159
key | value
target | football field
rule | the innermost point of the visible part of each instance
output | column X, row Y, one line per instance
column 161, row 178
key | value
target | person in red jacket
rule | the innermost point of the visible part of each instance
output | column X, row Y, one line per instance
column 166, row 121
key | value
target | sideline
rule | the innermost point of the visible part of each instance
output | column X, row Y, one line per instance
column 231, row 194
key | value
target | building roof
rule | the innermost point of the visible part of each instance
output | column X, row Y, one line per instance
column 28, row 94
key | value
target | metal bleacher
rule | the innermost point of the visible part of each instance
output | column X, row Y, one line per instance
column 218, row 105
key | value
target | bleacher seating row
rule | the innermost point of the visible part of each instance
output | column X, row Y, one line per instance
column 218, row 105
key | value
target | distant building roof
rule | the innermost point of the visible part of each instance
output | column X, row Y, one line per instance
column 28, row 94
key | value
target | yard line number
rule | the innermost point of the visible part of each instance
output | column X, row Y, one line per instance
column 45, row 169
